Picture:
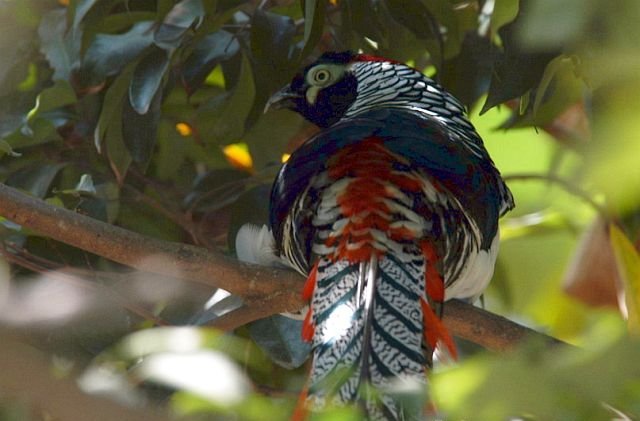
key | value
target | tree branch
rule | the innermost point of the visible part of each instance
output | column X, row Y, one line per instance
column 489, row 330
column 265, row 291
column 255, row 284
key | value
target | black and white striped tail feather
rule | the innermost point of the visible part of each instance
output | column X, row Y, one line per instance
column 378, row 323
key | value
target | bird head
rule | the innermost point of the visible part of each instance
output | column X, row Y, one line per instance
column 344, row 84
column 322, row 91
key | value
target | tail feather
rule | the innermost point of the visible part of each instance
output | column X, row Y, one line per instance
column 372, row 343
column 368, row 306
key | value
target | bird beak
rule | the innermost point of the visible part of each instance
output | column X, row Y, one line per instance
column 284, row 98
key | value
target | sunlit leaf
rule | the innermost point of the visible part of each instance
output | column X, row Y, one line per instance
column 534, row 383
column 628, row 262
column 505, row 11
column 238, row 155
column 206, row 55
column 208, row 374
column 612, row 156
column 550, row 72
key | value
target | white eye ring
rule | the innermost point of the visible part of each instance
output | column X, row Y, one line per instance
column 321, row 77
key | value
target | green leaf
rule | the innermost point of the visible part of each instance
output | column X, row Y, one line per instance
column 57, row 96
column 171, row 151
column 558, row 90
column 612, row 156
column 268, row 138
column 108, row 131
column 140, row 131
column 280, row 338
column 414, row 15
column 272, row 48
column 84, row 187
column 207, row 53
column 516, row 71
column 112, row 106
column 35, row 179
column 60, row 47
column 628, row 262
column 504, row 12
column 116, row 150
column 228, row 124
column 16, row 46
column 147, row 78
column 445, row 16
column 271, row 37
column 363, row 20
column 109, row 54
column 550, row 72
column 79, row 10
column 467, row 75
column 314, row 15
column 37, row 132
column 7, row 149
column 215, row 189
column 109, row 193
column 179, row 19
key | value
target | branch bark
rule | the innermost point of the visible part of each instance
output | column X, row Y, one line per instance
column 265, row 291
column 256, row 284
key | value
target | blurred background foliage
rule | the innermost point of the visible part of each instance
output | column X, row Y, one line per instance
column 148, row 114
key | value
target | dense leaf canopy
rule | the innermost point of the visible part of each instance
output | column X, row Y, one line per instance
column 147, row 115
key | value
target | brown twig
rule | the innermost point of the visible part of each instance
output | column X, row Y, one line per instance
column 265, row 291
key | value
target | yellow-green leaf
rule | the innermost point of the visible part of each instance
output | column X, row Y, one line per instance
column 628, row 261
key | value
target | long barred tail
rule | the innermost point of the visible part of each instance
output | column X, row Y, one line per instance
column 372, row 323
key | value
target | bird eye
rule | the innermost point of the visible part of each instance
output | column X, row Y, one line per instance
column 321, row 76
